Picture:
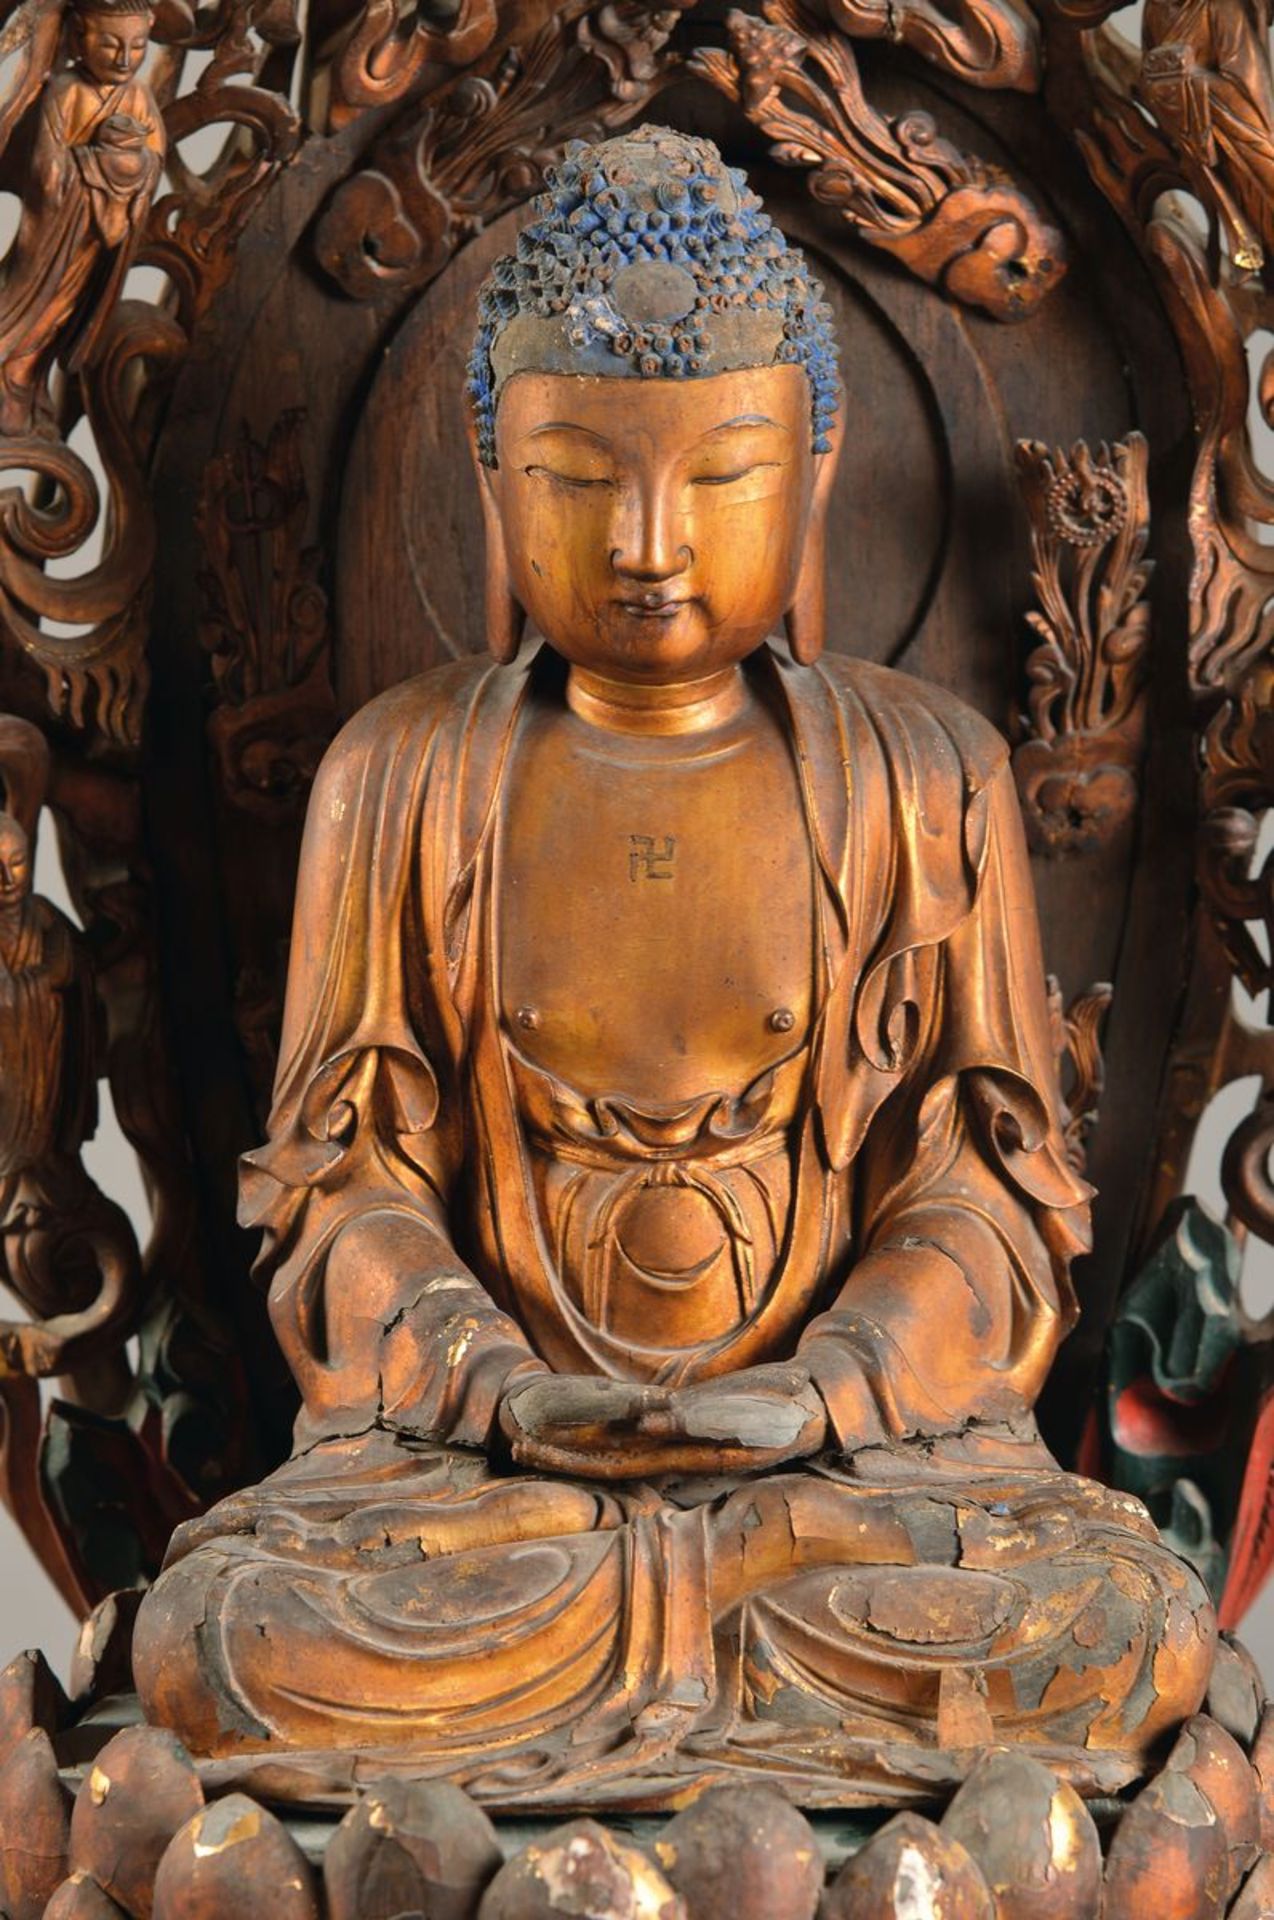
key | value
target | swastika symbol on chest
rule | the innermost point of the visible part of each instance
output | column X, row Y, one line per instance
column 650, row 858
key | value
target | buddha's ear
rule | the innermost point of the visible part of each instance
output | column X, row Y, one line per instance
column 806, row 619
column 505, row 615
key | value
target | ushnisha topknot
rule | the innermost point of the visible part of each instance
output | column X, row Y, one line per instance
column 648, row 257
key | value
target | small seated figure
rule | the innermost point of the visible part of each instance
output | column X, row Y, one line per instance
column 666, row 1206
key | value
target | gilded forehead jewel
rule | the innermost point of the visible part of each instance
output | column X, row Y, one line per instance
column 648, row 257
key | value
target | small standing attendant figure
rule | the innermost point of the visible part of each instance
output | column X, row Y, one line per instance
column 98, row 156
column 1205, row 76
column 66, row 1250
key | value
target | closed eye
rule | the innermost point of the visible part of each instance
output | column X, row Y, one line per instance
column 567, row 479
column 740, row 473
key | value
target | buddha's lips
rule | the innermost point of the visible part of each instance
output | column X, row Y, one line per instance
column 656, row 609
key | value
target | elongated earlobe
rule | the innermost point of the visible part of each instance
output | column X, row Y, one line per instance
column 806, row 619
column 505, row 615
column 506, row 618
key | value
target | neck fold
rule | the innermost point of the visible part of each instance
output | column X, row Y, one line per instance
column 686, row 706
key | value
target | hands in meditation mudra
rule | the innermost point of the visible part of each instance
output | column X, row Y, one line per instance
column 666, row 1207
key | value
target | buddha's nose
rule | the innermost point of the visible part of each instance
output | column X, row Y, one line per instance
column 650, row 544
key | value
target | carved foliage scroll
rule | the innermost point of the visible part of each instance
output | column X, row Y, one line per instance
column 1082, row 1070
column 952, row 219
column 265, row 623
column 483, row 141
column 1193, row 112
column 1147, row 137
column 72, row 349
column 195, row 226
column 1179, row 135
column 989, row 43
column 1084, row 728
column 384, row 54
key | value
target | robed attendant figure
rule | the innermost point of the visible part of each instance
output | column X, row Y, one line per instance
column 99, row 151
column 666, row 1208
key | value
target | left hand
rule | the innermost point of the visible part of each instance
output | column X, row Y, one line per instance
column 610, row 1430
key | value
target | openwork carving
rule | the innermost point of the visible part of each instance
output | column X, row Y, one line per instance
column 384, row 54
column 66, row 1251
column 1216, row 306
column 195, row 226
column 1238, row 780
column 1085, row 722
column 1238, row 888
column 1189, row 112
column 265, row 623
column 989, row 43
column 99, row 151
column 950, row 218
column 1231, row 498
column 484, row 140
column 94, row 671
column 71, row 348
column 1082, row 1069
column 146, row 1440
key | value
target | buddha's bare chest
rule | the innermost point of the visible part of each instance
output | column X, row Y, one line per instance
column 655, row 909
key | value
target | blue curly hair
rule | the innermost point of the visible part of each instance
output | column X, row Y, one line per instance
column 648, row 256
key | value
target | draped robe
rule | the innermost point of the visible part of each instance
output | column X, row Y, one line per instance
column 98, row 157
column 930, row 1581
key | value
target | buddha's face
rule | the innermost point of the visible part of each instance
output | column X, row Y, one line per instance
column 15, row 864
column 110, row 47
column 653, row 528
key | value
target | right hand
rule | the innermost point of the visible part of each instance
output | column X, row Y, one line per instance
column 603, row 1429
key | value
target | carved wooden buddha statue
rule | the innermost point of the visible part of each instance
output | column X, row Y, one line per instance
column 667, row 1213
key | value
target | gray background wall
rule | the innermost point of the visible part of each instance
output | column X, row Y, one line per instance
column 32, row 1613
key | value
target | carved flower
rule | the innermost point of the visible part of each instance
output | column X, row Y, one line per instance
column 1088, row 505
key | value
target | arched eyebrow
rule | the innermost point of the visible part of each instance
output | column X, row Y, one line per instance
column 565, row 426
column 746, row 420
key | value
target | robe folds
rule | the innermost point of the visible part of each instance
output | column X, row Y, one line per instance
column 393, row 1588
column 98, row 159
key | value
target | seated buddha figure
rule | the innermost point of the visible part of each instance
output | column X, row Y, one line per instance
column 667, row 1214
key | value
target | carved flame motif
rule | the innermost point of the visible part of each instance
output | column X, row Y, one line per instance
column 1085, row 723
column 1077, row 1044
